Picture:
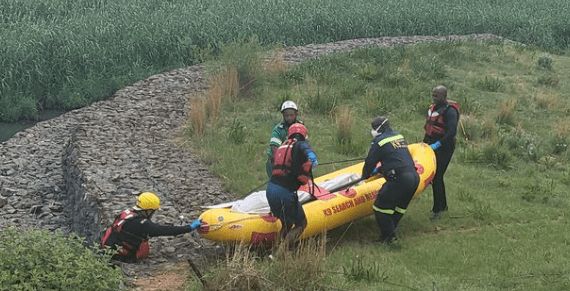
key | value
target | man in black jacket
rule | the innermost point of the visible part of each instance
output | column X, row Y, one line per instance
column 441, row 129
column 131, row 230
column 398, row 168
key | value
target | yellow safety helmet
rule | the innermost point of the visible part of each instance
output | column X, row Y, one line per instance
column 147, row 200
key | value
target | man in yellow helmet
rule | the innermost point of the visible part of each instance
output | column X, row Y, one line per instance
column 132, row 228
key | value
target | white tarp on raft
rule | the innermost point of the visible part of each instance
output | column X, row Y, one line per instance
column 256, row 202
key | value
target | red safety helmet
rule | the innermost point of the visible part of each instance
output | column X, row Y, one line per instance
column 297, row 128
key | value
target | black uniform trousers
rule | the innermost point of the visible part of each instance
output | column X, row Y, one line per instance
column 443, row 157
column 392, row 201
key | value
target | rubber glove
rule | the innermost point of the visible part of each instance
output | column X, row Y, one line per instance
column 435, row 146
column 195, row 224
column 313, row 159
column 375, row 172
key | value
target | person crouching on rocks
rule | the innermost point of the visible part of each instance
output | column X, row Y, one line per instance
column 132, row 228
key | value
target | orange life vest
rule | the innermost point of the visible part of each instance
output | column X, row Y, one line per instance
column 435, row 124
column 126, row 249
column 283, row 159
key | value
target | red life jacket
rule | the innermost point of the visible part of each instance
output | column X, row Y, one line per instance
column 282, row 162
column 435, row 124
column 126, row 249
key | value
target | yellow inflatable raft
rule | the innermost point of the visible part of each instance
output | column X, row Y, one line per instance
column 328, row 211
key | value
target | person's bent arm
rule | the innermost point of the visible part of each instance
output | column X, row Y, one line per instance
column 309, row 153
column 371, row 161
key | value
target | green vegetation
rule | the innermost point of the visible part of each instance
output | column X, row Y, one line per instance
column 506, row 228
column 38, row 260
column 66, row 54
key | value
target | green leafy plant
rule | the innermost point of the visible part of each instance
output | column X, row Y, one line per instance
column 39, row 260
column 238, row 131
column 545, row 61
column 480, row 210
column 492, row 84
column 359, row 271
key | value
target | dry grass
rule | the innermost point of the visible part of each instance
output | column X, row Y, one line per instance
column 506, row 111
column 206, row 108
column 275, row 65
column 197, row 116
column 562, row 128
column 240, row 271
column 344, row 120
column 488, row 128
column 546, row 100
column 298, row 269
column 405, row 67
column 222, row 85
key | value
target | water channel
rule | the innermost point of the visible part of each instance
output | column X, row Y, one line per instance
column 7, row 130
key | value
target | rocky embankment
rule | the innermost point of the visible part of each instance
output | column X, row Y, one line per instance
column 76, row 172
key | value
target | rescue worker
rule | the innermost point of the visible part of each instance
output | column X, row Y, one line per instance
column 279, row 133
column 440, row 134
column 397, row 167
column 292, row 168
column 132, row 228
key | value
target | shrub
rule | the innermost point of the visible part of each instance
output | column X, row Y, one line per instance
column 428, row 68
column 298, row 269
column 548, row 79
column 545, row 61
column 246, row 56
column 321, row 102
column 481, row 210
column 546, row 100
column 239, row 271
column 344, row 119
column 540, row 190
column 368, row 72
column 237, row 132
column 302, row 268
column 39, row 260
column 489, row 84
column 472, row 128
column 359, row 271
column 497, row 156
column 506, row 111
column 197, row 117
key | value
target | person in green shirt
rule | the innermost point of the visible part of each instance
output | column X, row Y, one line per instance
column 289, row 111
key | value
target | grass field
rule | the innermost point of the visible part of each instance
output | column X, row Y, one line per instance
column 507, row 184
column 66, row 54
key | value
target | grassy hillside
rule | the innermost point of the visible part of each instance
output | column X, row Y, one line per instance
column 67, row 54
column 506, row 227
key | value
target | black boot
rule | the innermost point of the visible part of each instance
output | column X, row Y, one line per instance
column 386, row 225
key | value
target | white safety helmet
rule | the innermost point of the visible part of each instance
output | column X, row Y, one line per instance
column 288, row 105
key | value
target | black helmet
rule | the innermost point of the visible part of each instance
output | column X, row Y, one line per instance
column 379, row 123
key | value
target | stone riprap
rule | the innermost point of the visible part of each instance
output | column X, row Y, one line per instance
column 76, row 172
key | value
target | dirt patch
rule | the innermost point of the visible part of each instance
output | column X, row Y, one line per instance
column 171, row 278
